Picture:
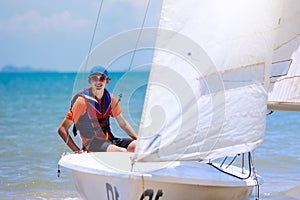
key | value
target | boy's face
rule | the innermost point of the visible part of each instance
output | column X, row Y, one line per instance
column 98, row 81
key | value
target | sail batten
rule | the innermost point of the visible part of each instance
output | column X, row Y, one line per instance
column 284, row 106
column 206, row 96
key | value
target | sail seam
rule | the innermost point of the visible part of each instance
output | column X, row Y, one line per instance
column 287, row 42
column 285, row 78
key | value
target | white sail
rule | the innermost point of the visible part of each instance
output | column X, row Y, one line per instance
column 206, row 94
column 284, row 93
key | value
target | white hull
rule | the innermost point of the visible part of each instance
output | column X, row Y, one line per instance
column 97, row 179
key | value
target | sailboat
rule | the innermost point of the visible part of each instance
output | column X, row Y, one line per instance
column 206, row 99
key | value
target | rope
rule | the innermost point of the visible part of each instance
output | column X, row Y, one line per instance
column 58, row 170
column 250, row 164
column 90, row 49
column 65, row 150
column 255, row 177
column 143, row 187
column 139, row 36
column 251, row 171
column 94, row 32
column 136, row 44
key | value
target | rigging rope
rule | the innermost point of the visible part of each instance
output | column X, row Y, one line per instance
column 250, row 168
column 255, row 177
column 94, row 32
column 136, row 45
column 139, row 36
column 90, row 49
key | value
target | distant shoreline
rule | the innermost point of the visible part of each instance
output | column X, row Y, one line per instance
column 28, row 69
column 37, row 71
column 24, row 69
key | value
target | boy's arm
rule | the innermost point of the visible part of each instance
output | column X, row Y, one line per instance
column 64, row 134
column 125, row 126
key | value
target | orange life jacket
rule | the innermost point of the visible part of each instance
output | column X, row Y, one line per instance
column 95, row 122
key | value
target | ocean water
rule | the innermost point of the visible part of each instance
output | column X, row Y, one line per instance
column 33, row 105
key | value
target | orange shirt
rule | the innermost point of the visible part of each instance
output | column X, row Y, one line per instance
column 80, row 105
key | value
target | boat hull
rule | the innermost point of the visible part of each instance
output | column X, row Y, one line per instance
column 110, row 176
column 92, row 187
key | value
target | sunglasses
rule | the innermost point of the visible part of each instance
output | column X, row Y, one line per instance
column 98, row 78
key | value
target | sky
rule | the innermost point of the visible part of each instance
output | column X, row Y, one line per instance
column 56, row 34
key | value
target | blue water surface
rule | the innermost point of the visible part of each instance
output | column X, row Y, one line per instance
column 34, row 104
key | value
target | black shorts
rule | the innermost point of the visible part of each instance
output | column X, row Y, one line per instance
column 97, row 145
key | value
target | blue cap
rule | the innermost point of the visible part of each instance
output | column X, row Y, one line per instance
column 99, row 69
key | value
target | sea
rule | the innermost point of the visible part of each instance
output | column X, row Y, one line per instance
column 33, row 105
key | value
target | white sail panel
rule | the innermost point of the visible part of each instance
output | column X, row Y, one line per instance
column 206, row 97
column 288, row 33
column 284, row 93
